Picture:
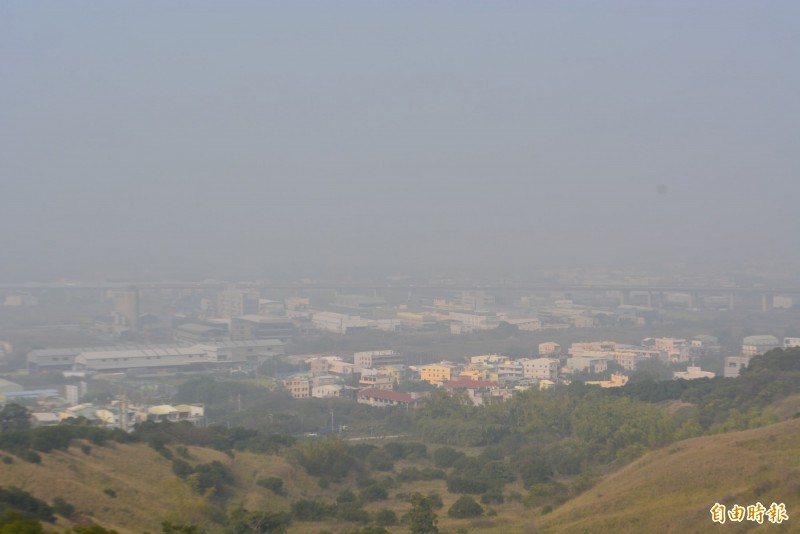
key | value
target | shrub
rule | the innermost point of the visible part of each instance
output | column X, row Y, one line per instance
column 352, row 512
column 380, row 460
column 308, row 510
column 435, row 500
column 110, row 492
column 345, row 496
column 31, row 456
column 8, row 460
column 446, row 456
column 275, row 484
column 385, row 517
column 458, row 484
column 492, row 496
column 86, row 449
column 62, row 507
column 181, row 468
column 20, row 500
column 373, row 493
column 465, row 507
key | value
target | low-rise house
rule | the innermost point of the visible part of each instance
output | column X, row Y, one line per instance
column 383, row 398
column 437, row 373
column 540, row 368
column 587, row 364
column 39, row 419
column 734, row 365
column 617, row 381
column 692, row 373
column 376, row 381
column 193, row 413
column 753, row 345
column 327, row 391
column 298, row 386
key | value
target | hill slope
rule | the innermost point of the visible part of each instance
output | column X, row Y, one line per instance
column 672, row 490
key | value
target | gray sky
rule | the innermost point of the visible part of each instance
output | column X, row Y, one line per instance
column 293, row 138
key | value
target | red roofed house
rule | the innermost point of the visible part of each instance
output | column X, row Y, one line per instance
column 478, row 391
column 383, row 397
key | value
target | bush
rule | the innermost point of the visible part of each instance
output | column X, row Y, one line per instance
column 346, row 496
column 181, row 468
column 275, row 484
column 446, row 456
column 8, row 460
column 15, row 499
column 352, row 512
column 465, row 507
column 457, row 484
column 435, row 500
column 385, row 517
column 492, row 496
column 62, row 507
column 380, row 460
column 308, row 510
column 412, row 474
column 211, row 475
column 31, row 456
column 110, row 492
column 86, row 449
column 373, row 493
column 413, row 450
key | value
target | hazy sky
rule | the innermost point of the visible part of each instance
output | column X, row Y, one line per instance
column 293, row 138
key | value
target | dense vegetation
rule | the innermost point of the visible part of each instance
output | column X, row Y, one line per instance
column 555, row 445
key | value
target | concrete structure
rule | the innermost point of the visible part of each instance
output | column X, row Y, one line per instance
column 237, row 302
column 437, row 373
column 791, row 342
column 328, row 391
column 126, row 308
column 376, row 381
column 376, row 358
column 617, row 381
column 198, row 333
column 540, row 368
column 63, row 359
column 752, row 345
column 549, row 348
column 692, row 373
column 586, row 364
column 298, row 386
column 383, row 398
column 260, row 327
column 734, row 365
column 339, row 323
column 174, row 358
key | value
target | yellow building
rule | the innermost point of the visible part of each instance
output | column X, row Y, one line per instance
column 436, row 373
column 476, row 372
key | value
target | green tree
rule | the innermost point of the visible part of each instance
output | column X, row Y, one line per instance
column 465, row 507
column 421, row 519
column 14, row 417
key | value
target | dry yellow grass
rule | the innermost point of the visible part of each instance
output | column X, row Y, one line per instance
column 672, row 490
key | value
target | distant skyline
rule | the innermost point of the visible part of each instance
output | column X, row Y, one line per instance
column 211, row 139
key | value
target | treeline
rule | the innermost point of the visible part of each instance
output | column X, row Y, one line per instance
column 580, row 430
column 27, row 443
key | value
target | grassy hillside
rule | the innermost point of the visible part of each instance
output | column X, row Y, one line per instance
column 672, row 490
